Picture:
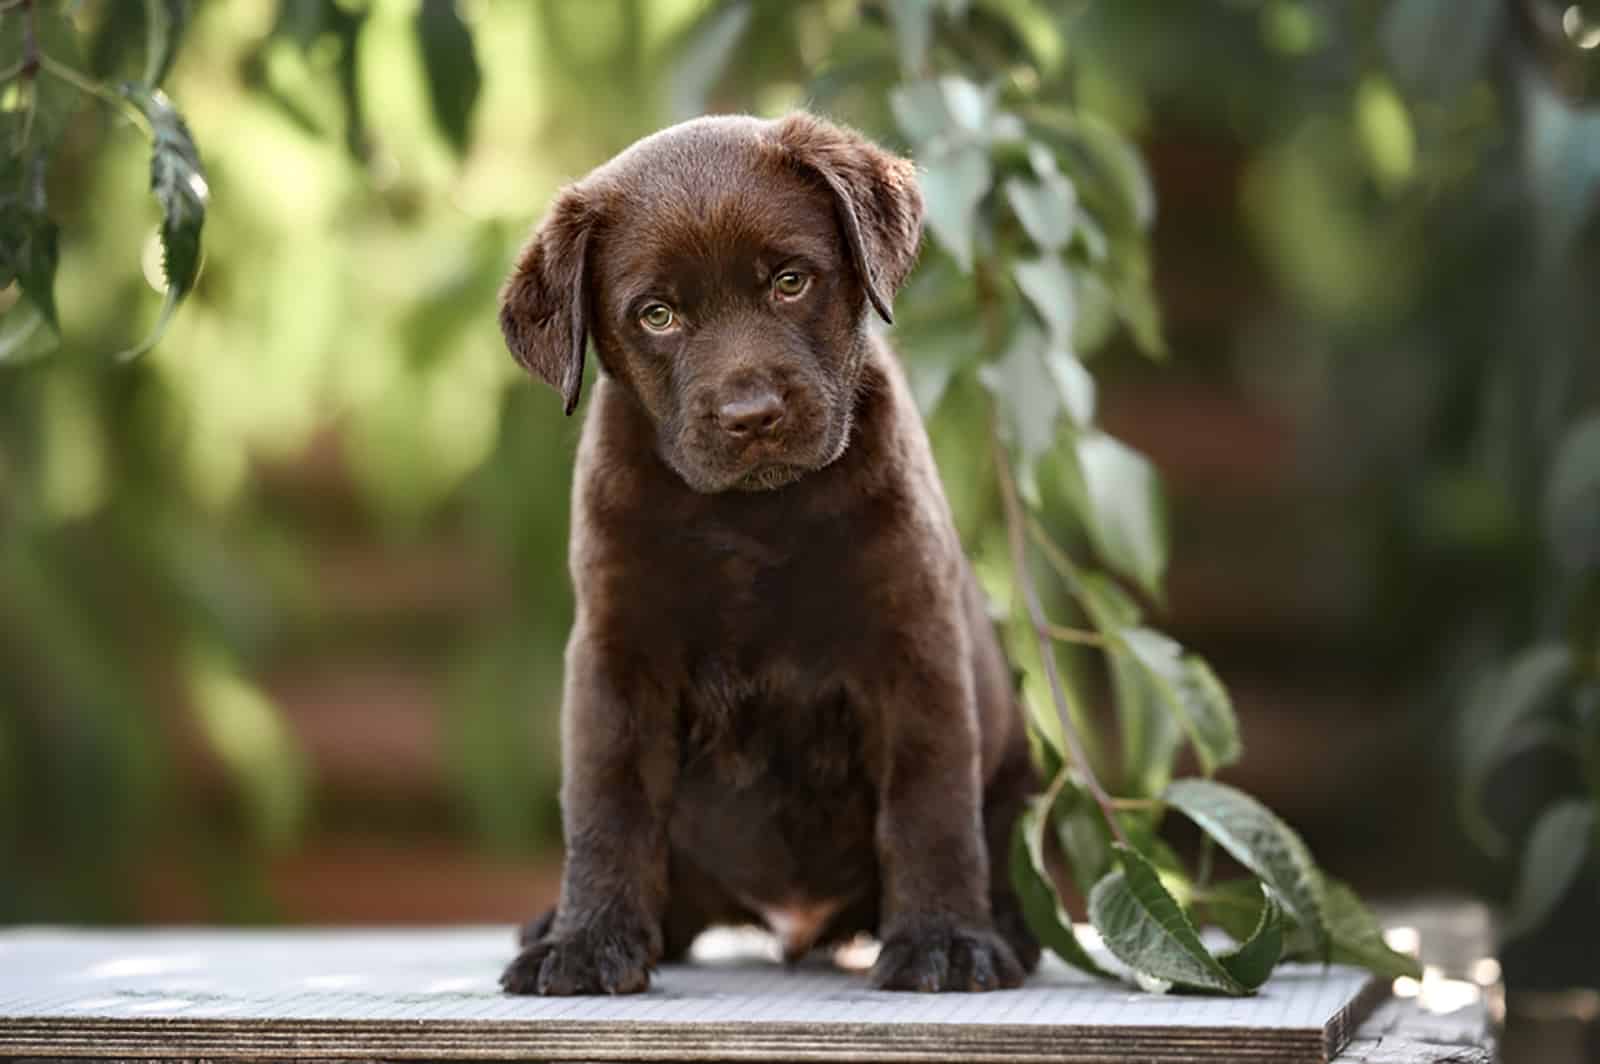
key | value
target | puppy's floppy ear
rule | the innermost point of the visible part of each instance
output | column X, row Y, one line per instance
column 875, row 194
column 544, row 307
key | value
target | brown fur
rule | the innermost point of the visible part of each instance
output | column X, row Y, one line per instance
column 783, row 696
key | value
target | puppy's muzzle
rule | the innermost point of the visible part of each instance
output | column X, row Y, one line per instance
column 751, row 416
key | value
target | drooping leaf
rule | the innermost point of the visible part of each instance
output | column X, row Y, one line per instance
column 954, row 182
column 1047, row 207
column 1260, row 952
column 1505, row 704
column 178, row 181
column 1028, row 400
column 1123, row 509
column 1077, row 387
column 165, row 21
column 1041, row 908
column 1048, row 286
column 1104, row 166
column 24, row 334
column 1215, row 728
column 29, row 253
column 1358, row 937
column 970, row 107
column 1081, row 830
column 450, row 60
column 1562, row 839
column 1135, row 301
column 1144, row 927
column 704, row 56
column 919, row 110
column 1561, row 144
column 1255, row 837
column 1572, row 500
column 1191, row 692
column 1150, row 731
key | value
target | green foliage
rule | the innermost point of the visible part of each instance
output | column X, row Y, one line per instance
column 1145, row 928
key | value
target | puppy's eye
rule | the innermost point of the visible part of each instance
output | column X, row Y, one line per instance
column 790, row 284
column 658, row 317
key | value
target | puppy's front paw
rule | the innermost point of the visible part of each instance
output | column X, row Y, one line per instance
column 591, row 961
column 942, row 955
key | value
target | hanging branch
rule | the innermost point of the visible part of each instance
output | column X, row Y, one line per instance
column 1016, row 534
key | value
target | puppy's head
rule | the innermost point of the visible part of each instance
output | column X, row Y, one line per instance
column 725, row 268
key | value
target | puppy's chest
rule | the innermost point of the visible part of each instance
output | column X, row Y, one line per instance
column 780, row 729
column 751, row 603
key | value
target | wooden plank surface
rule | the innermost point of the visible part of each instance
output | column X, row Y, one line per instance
column 397, row 995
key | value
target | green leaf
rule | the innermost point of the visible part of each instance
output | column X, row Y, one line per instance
column 1136, row 303
column 1144, row 927
column 1572, row 499
column 1151, row 734
column 1191, row 693
column 1105, row 167
column 1505, row 704
column 1085, row 841
column 1357, row 936
column 1123, row 509
column 179, row 183
column 954, row 182
column 165, row 21
column 1028, row 400
column 704, row 56
column 913, row 30
column 1260, row 952
column 1561, row 143
column 1259, row 840
column 29, row 253
column 1046, row 207
column 1561, row 840
column 1048, row 286
column 24, row 334
column 969, row 107
column 1213, row 728
column 450, row 60
column 1076, row 385
column 1041, row 908
column 1235, row 905
column 919, row 110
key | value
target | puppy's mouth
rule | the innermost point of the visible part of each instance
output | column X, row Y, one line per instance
column 769, row 477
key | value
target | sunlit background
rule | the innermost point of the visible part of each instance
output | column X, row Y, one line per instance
column 282, row 601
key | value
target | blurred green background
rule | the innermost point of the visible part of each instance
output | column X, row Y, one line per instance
column 282, row 602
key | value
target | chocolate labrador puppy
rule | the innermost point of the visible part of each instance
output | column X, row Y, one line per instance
column 784, row 701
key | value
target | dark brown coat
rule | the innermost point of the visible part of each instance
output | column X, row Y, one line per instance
column 784, row 702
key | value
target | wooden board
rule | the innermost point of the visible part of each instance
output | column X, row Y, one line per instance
column 431, row 995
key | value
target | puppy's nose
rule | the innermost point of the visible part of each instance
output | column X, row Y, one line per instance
column 755, row 415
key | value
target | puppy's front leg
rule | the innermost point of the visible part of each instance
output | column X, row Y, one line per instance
column 620, row 764
column 936, row 928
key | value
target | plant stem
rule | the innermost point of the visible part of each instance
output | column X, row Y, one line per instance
column 1062, row 633
column 1137, row 805
column 1016, row 525
column 93, row 88
column 1202, row 875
